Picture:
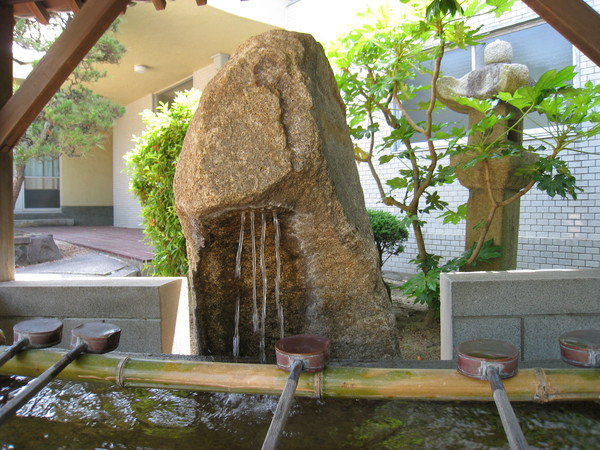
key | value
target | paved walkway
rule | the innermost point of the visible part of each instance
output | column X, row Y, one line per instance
column 122, row 242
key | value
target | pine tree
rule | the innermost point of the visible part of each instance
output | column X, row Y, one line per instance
column 76, row 119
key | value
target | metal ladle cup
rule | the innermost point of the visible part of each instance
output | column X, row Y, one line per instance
column 488, row 359
column 308, row 352
column 87, row 338
column 34, row 333
column 581, row 348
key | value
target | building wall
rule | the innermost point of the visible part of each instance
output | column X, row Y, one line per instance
column 203, row 76
column 86, row 186
column 554, row 233
column 87, row 178
column 127, row 208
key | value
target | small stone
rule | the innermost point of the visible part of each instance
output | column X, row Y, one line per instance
column 43, row 249
column 498, row 52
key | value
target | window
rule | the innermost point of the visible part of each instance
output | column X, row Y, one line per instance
column 539, row 47
column 168, row 95
column 41, row 187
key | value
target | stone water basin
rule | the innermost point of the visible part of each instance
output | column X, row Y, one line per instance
column 83, row 415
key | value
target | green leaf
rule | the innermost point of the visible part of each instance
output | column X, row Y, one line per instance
column 397, row 183
column 553, row 79
column 482, row 106
column 385, row 159
column 488, row 252
column 438, row 8
column 455, row 217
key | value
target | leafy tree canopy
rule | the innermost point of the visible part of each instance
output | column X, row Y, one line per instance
column 392, row 60
column 152, row 168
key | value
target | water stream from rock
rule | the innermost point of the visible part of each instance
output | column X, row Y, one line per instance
column 258, row 325
column 278, row 273
column 238, row 275
column 263, row 271
column 254, row 306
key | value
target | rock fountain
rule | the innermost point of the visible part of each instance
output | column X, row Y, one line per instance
column 270, row 201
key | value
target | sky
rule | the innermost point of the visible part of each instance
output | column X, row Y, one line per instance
column 20, row 71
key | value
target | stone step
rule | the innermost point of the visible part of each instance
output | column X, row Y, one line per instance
column 56, row 222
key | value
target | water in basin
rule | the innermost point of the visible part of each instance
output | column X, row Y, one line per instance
column 91, row 416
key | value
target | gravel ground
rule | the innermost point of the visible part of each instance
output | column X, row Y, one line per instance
column 417, row 340
column 69, row 250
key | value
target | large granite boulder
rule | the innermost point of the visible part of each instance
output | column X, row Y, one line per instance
column 270, row 138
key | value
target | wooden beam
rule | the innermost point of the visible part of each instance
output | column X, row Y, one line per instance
column 7, row 240
column 39, row 12
column 75, row 5
column 575, row 20
column 159, row 4
column 55, row 67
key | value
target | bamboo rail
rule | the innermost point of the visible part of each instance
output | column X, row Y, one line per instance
column 538, row 384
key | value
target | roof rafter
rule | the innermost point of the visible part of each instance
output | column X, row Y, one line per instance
column 39, row 11
column 575, row 20
column 159, row 4
column 55, row 67
column 75, row 5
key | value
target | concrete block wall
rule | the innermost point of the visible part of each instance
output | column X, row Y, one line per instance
column 151, row 312
column 529, row 308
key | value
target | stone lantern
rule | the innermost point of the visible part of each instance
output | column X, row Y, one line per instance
column 498, row 75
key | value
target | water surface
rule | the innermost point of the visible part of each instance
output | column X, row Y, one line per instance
column 90, row 416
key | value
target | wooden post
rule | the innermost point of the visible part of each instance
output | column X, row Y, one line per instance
column 7, row 246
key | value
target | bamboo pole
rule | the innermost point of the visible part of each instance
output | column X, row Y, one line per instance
column 541, row 385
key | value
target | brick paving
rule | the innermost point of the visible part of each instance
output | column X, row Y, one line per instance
column 123, row 242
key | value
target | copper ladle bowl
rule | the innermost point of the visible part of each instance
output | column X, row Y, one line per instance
column 580, row 348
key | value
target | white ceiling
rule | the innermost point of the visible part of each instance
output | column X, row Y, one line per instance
column 173, row 43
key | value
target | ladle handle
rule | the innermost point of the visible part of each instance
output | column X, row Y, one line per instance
column 13, row 350
column 513, row 431
column 283, row 408
column 33, row 387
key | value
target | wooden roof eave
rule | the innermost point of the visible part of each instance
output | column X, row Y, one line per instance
column 41, row 9
column 55, row 67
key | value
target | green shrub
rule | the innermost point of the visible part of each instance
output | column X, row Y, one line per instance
column 151, row 166
column 390, row 234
